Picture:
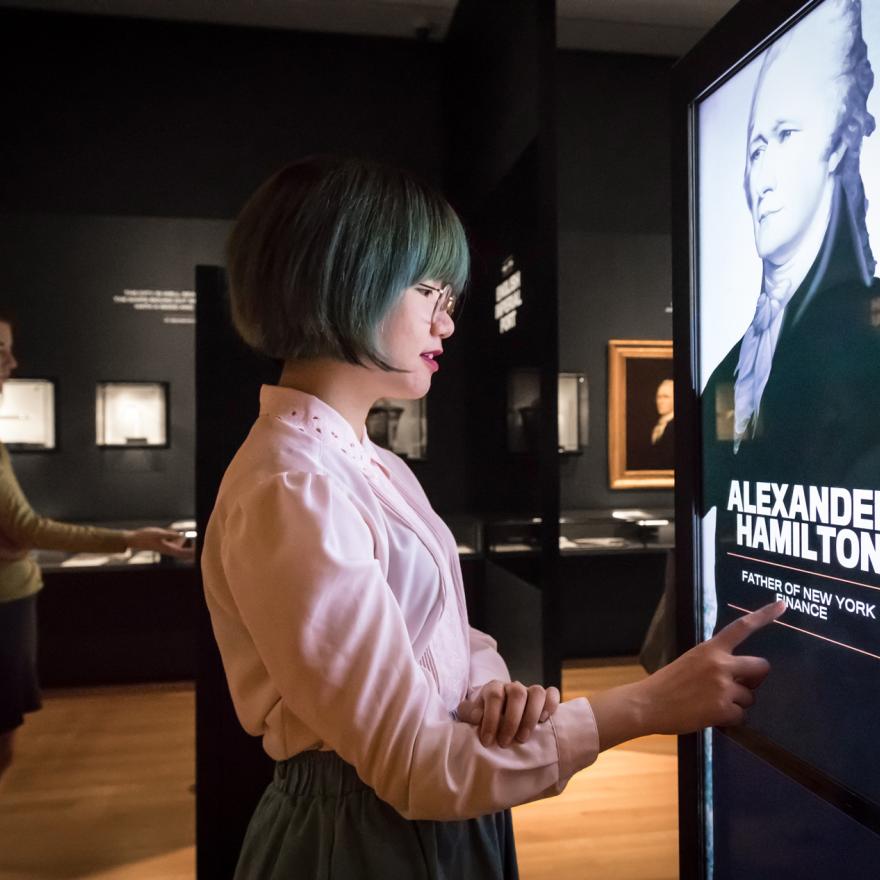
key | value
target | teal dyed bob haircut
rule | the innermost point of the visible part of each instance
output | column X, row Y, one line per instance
column 326, row 247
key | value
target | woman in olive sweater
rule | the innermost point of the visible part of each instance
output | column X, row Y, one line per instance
column 22, row 530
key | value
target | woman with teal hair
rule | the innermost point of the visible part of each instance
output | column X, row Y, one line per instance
column 334, row 589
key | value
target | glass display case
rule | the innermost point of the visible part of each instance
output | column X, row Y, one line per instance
column 60, row 560
column 468, row 533
column 612, row 575
column 513, row 535
column 401, row 426
column 586, row 531
column 524, row 411
column 573, row 412
column 617, row 529
column 27, row 414
column 136, row 611
column 131, row 414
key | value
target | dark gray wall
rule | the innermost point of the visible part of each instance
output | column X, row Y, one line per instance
column 497, row 63
column 62, row 273
column 107, row 115
column 119, row 116
column 614, row 238
column 143, row 118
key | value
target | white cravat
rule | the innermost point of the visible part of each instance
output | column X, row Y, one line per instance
column 660, row 428
column 756, row 354
column 759, row 342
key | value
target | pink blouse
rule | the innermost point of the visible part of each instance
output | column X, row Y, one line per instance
column 336, row 598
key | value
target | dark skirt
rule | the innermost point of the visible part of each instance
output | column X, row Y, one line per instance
column 19, row 690
column 318, row 821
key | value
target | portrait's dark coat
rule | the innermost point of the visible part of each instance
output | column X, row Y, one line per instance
column 661, row 455
column 818, row 424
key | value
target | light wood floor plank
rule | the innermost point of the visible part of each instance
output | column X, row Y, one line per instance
column 101, row 789
column 616, row 820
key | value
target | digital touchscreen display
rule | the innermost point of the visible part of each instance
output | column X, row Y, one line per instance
column 788, row 236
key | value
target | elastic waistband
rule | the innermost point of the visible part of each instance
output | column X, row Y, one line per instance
column 317, row 773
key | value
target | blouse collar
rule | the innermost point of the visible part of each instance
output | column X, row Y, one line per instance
column 311, row 415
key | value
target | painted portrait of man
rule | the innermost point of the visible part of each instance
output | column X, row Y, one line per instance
column 805, row 373
column 649, row 414
column 650, row 422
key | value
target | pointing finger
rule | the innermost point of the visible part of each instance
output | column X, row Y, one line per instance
column 734, row 634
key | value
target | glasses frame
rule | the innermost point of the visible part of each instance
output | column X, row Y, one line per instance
column 446, row 301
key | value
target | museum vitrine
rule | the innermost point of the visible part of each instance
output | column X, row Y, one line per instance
column 131, row 414
column 27, row 414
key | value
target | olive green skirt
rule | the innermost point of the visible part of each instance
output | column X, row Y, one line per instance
column 318, row 821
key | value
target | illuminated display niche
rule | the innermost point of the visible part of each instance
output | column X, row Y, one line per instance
column 131, row 414
column 524, row 411
column 27, row 414
column 401, row 426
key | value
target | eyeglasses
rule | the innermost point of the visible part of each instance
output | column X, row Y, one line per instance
column 446, row 299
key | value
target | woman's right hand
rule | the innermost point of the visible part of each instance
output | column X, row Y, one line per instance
column 165, row 541
column 708, row 686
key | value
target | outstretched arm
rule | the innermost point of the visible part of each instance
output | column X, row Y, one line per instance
column 23, row 529
column 708, row 686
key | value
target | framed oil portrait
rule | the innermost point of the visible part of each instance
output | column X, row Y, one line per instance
column 641, row 417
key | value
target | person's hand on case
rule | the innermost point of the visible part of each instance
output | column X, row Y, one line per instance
column 165, row 541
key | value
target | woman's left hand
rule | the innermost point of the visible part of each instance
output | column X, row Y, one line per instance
column 508, row 710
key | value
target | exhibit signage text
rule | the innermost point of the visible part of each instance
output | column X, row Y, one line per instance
column 508, row 298
column 818, row 523
column 176, row 306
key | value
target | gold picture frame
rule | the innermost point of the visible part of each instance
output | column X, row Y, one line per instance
column 640, row 414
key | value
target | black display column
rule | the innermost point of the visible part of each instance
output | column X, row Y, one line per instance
column 231, row 767
column 500, row 119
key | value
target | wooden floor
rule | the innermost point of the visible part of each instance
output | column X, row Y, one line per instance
column 101, row 789
column 616, row 820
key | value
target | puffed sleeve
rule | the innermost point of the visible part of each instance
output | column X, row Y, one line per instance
column 299, row 560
